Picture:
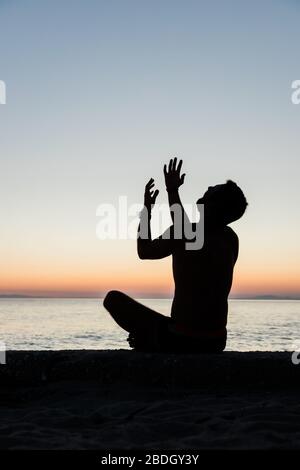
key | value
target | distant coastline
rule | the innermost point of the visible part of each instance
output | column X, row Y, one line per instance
column 15, row 296
column 240, row 297
column 266, row 297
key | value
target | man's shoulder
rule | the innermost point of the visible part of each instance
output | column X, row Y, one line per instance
column 231, row 233
column 233, row 239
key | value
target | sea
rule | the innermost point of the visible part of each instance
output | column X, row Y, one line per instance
column 53, row 324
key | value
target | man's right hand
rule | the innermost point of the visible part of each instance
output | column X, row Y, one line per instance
column 173, row 179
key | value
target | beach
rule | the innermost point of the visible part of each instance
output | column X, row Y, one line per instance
column 121, row 399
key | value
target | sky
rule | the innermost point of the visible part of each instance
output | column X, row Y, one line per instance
column 100, row 94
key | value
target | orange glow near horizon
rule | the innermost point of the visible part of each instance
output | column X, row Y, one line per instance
column 137, row 280
column 94, row 271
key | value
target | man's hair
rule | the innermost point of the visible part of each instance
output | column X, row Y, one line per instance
column 233, row 203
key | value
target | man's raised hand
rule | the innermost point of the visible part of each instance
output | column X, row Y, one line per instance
column 150, row 195
column 173, row 178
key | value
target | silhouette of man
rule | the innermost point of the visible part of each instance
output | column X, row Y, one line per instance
column 202, row 277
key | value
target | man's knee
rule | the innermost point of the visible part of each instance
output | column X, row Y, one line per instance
column 112, row 298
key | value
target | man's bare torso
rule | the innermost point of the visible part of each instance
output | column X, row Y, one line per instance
column 203, row 280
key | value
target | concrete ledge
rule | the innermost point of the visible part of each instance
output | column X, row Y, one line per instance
column 233, row 369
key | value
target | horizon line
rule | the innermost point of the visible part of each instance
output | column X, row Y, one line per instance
column 154, row 297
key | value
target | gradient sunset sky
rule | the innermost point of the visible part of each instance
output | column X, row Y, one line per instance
column 101, row 93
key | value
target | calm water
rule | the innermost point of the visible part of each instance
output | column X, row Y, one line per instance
column 84, row 324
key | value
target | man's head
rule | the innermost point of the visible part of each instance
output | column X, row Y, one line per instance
column 224, row 203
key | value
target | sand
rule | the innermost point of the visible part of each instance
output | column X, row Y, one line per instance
column 128, row 400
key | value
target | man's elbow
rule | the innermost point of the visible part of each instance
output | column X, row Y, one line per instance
column 142, row 254
column 142, row 249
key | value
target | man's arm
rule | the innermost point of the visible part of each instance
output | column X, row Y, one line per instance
column 173, row 181
column 146, row 247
